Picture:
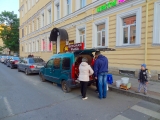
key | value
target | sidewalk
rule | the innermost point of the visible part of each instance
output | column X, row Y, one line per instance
column 153, row 90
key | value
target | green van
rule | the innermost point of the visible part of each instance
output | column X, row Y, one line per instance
column 63, row 68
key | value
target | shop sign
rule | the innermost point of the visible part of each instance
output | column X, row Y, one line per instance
column 74, row 47
column 71, row 42
column 109, row 4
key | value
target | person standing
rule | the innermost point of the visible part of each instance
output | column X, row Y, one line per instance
column 85, row 71
column 143, row 79
column 100, row 73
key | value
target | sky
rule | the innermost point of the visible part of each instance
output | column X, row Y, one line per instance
column 10, row 5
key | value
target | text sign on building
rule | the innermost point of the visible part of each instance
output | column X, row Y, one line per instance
column 74, row 47
column 109, row 4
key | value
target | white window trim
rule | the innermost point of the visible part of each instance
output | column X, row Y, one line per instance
column 42, row 24
column 119, row 26
column 55, row 9
column 33, row 25
column 48, row 18
column 65, row 7
column 78, row 28
column 156, row 33
column 37, row 23
column 94, row 35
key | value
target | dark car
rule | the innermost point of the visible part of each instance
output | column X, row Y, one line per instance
column 30, row 65
column 12, row 62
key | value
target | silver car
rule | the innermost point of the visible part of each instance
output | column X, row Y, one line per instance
column 30, row 65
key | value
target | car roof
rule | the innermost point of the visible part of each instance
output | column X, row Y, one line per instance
column 62, row 55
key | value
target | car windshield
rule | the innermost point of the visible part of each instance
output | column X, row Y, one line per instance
column 16, row 58
column 35, row 60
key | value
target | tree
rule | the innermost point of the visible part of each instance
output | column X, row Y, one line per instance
column 10, row 30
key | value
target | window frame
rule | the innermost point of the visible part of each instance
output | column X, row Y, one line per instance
column 119, row 27
column 156, row 24
column 78, row 34
column 69, row 63
column 95, row 31
column 58, row 11
column 48, row 62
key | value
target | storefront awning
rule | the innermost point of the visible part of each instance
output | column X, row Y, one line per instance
column 58, row 32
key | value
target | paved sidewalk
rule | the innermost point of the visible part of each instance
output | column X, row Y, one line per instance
column 153, row 89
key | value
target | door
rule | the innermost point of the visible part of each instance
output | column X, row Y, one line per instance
column 62, row 45
column 56, row 70
column 49, row 70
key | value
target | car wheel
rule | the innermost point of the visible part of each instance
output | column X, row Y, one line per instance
column 11, row 67
column 26, row 72
column 65, row 87
column 42, row 77
column 18, row 69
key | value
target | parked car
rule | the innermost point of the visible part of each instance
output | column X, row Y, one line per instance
column 63, row 68
column 3, row 59
column 30, row 65
column 7, row 59
column 12, row 62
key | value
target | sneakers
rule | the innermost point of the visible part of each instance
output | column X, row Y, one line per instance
column 85, row 98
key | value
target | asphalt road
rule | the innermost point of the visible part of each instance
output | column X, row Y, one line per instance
column 27, row 98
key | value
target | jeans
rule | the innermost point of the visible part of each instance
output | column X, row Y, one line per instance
column 83, row 88
column 102, row 85
column 142, row 85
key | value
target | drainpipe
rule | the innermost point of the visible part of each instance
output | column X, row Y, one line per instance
column 146, row 33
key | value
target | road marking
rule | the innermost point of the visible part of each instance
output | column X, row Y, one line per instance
column 8, row 106
column 146, row 111
column 120, row 117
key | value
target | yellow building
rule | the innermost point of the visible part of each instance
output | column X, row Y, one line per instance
column 1, row 41
column 132, row 27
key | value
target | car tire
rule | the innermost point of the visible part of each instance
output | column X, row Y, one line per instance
column 11, row 67
column 18, row 69
column 26, row 72
column 65, row 87
column 42, row 77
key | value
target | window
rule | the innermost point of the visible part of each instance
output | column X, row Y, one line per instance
column 56, row 63
column 49, row 16
column 68, row 7
column 66, row 64
column 29, row 4
column 29, row 29
column 26, row 30
column 37, row 46
column 82, row 36
column 156, row 27
column 33, row 26
column 128, row 29
column 42, row 16
column 37, row 23
column 22, row 32
column 58, row 11
column 33, row 47
column 43, row 45
column 49, row 64
column 82, row 3
column 22, row 48
column 101, row 35
column 50, row 45
column 26, row 48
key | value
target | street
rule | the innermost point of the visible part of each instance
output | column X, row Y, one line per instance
column 25, row 97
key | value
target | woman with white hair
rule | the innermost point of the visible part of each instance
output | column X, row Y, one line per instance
column 85, row 71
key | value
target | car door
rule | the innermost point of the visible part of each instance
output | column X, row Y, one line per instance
column 48, row 70
column 20, row 64
column 56, row 70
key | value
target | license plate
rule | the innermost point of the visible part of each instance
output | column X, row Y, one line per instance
column 39, row 66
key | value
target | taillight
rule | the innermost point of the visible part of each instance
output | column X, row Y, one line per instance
column 13, row 62
column 73, row 72
column 31, row 66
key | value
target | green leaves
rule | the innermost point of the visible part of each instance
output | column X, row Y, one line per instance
column 10, row 30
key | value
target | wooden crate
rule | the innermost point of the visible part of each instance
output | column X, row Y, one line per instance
column 126, row 87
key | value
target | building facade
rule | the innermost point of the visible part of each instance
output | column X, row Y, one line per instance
column 132, row 27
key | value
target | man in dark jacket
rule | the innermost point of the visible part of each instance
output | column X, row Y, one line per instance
column 100, row 73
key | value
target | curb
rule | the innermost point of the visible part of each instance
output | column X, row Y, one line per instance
column 133, row 94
